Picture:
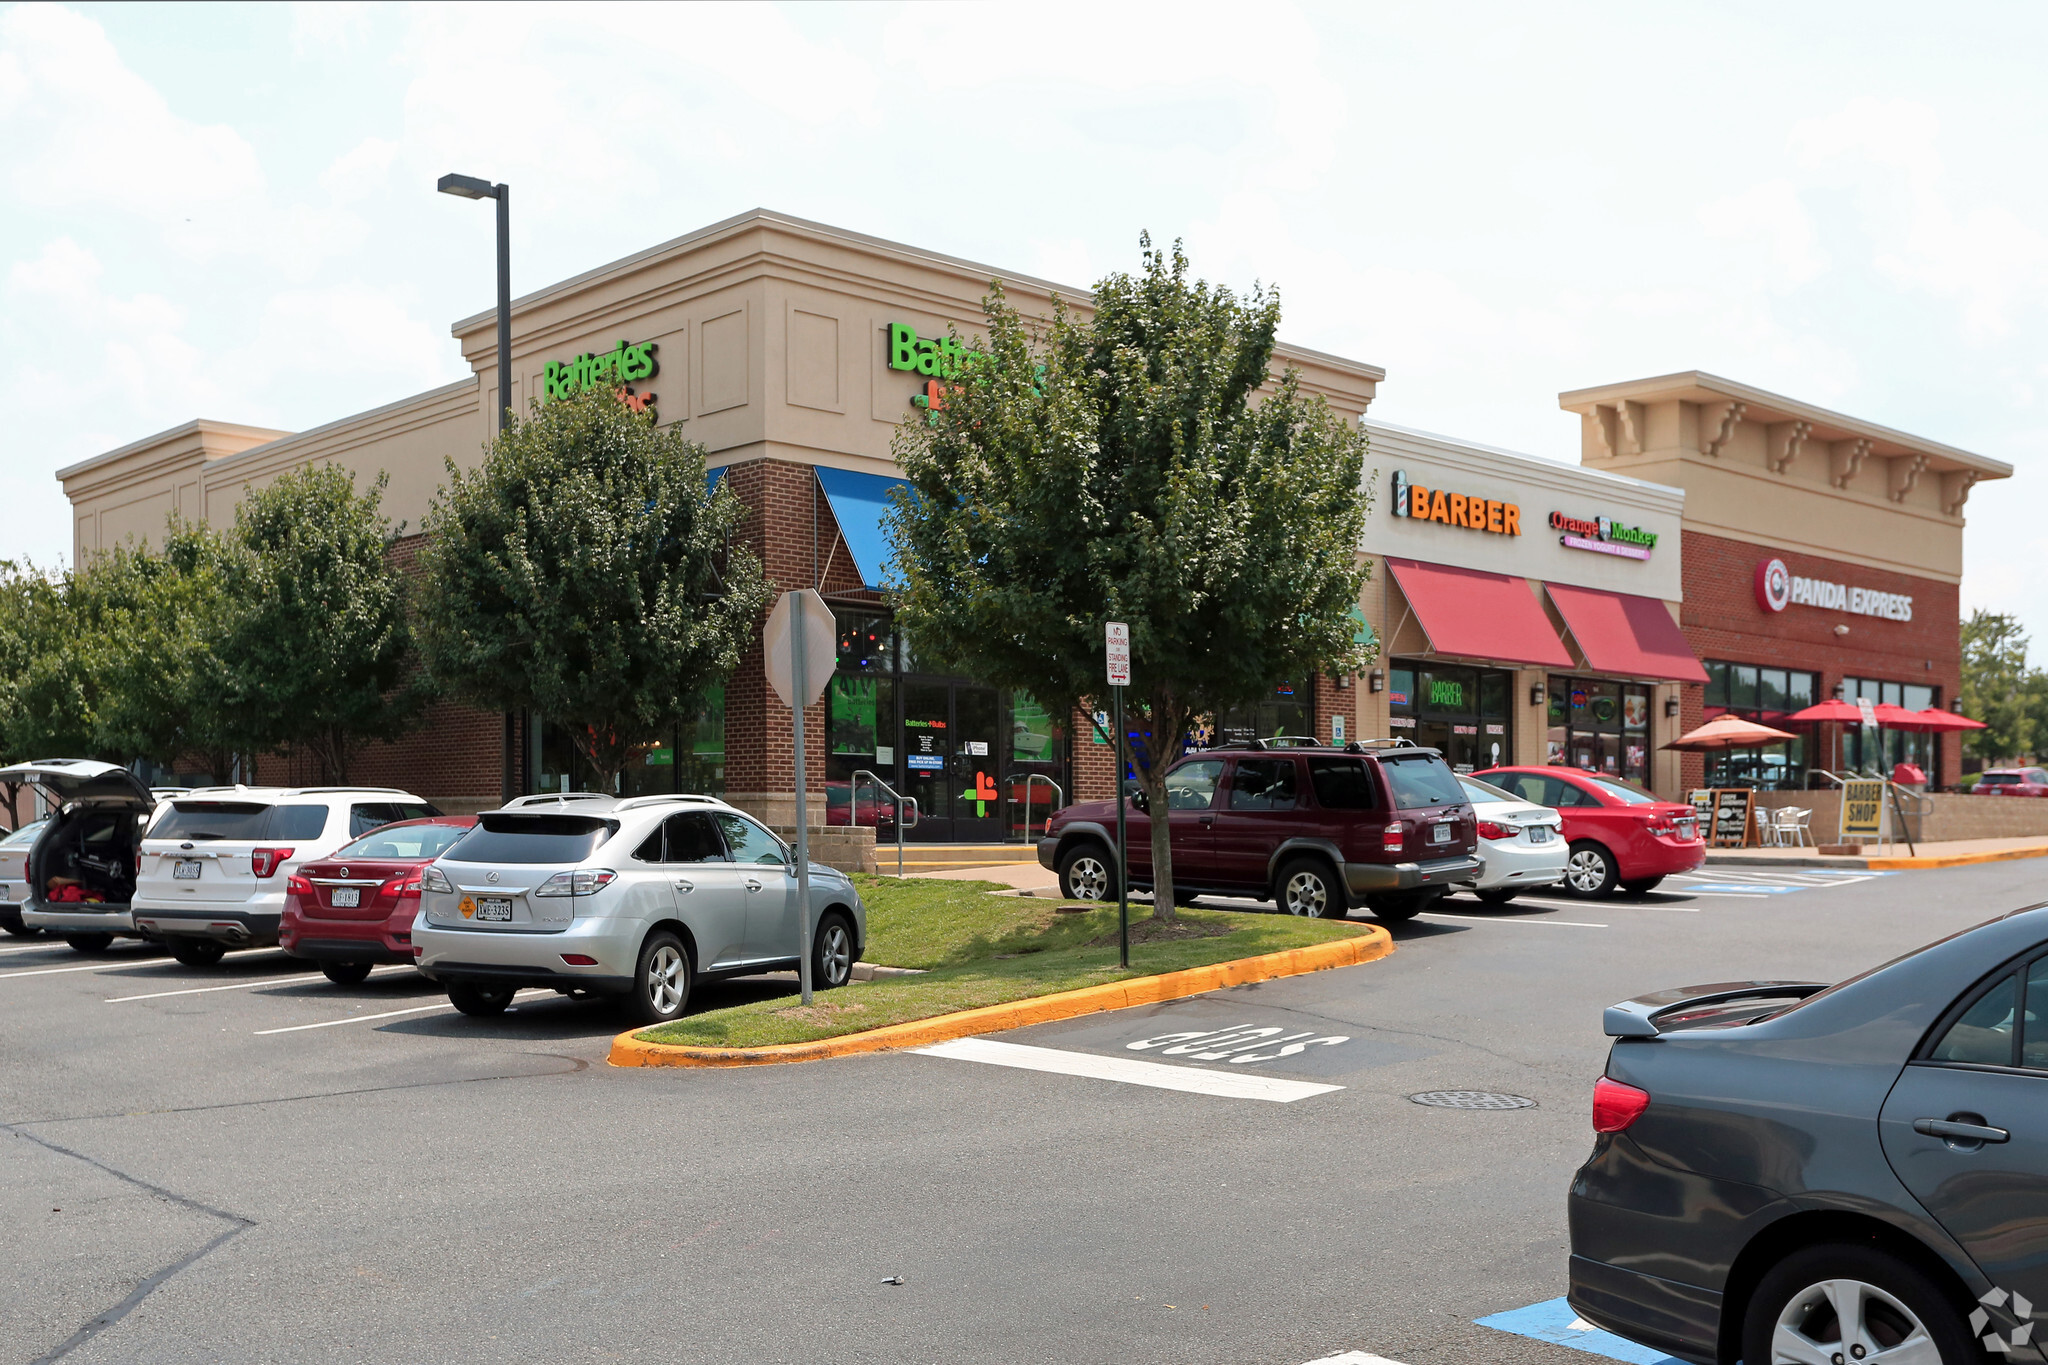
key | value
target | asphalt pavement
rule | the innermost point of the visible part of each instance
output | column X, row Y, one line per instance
column 248, row 1163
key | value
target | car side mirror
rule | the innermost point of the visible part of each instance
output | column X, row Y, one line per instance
column 1139, row 801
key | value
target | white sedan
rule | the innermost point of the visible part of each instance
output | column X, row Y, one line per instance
column 1520, row 844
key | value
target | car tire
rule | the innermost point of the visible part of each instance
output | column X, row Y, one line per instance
column 480, row 999
column 1307, row 887
column 20, row 930
column 832, row 953
column 1496, row 895
column 346, row 973
column 1895, row 1297
column 1641, row 886
column 661, row 981
column 198, row 952
column 1590, row 873
column 1399, row 909
column 1088, row 873
column 89, row 943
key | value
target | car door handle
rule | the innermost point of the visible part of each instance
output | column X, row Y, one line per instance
column 683, row 884
column 753, row 885
column 1208, row 820
column 1960, row 1132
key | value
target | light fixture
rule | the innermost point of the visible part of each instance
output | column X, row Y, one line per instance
column 1376, row 681
column 1841, row 630
column 1671, row 708
column 1536, row 694
column 1841, row 689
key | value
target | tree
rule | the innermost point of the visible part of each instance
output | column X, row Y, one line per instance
column 1997, row 686
column 585, row 572
column 1128, row 467
column 314, row 646
column 50, row 691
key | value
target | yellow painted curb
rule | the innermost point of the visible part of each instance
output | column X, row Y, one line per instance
column 1371, row 944
column 2004, row 855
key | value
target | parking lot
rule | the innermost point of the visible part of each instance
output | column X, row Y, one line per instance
column 250, row 1162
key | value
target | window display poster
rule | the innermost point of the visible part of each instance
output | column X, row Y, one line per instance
column 1033, row 733
column 852, row 713
column 1635, row 710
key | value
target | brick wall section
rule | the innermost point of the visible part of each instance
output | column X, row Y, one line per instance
column 1094, row 765
column 1332, row 700
column 1723, row 620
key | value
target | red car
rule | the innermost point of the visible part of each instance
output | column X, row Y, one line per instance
column 2013, row 782
column 354, row 908
column 1618, row 836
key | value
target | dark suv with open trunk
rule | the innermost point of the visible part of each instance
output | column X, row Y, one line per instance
column 1317, row 830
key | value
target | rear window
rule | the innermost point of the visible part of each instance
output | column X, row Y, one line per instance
column 500, row 838
column 1627, row 795
column 25, row 835
column 1421, row 780
column 1341, row 784
column 405, row 841
column 365, row 816
column 239, row 820
column 2003, row 777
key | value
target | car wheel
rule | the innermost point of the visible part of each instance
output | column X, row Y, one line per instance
column 20, row 930
column 89, row 943
column 1590, row 871
column 1307, row 888
column 1401, row 908
column 1496, row 895
column 198, row 952
column 346, row 973
column 661, row 983
column 1841, row 1302
column 480, row 1000
column 1087, row 873
column 1641, row 885
column 832, row 953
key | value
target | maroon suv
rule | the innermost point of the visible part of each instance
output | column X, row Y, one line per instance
column 1317, row 831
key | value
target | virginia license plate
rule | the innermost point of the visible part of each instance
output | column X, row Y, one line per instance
column 347, row 897
column 1439, row 834
column 493, row 908
column 186, row 870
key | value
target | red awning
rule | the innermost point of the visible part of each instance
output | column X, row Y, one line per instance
column 1632, row 636
column 1476, row 615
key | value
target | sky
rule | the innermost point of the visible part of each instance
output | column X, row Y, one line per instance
column 228, row 211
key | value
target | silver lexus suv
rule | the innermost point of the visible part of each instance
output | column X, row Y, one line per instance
column 633, row 897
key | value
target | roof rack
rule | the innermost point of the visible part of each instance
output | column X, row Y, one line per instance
column 1391, row 742
column 662, row 798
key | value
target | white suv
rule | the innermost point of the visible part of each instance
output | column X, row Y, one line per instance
column 633, row 898
column 213, row 867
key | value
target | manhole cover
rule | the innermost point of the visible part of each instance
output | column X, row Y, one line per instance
column 1472, row 1099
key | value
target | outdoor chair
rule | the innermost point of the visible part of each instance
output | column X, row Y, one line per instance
column 1766, row 832
column 1789, row 826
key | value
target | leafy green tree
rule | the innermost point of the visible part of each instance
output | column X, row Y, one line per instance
column 584, row 571
column 1144, row 465
column 48, row 691
column 314, row 646
column 1998, row 688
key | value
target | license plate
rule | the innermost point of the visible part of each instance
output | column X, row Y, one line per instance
column 1539, row 834
column 1439, row 834
column 347, row 897
column 1687, row 829
column 493, row 908
column 186, row 870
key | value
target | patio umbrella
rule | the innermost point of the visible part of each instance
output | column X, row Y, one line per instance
column 1727, row 732
column 1838, row 711
column 1935, row 721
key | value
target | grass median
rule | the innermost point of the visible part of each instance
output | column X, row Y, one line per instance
column 975, row 949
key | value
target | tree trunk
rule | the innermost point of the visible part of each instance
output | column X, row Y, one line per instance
column 1152, row 781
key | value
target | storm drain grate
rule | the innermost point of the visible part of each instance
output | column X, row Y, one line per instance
column 1472, row 1099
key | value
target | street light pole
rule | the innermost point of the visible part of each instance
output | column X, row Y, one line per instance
column 470, row 187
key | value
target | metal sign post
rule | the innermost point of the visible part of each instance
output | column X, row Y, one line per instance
column 798, row 648
column 1117, row 652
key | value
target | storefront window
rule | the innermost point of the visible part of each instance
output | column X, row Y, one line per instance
column 1767, row 696
column 690, row 759
column 1600, row 726
column 1875, row 750
column 1462, row 711
column 1289, row 711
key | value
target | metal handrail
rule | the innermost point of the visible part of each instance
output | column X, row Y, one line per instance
column 1029, row 778
column 901, row 801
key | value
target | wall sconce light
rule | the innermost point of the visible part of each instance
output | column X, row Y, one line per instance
column 1376, row 681
column 1841, row 691
column 1841, row 630
column 1535, row 694
column 1671, row 708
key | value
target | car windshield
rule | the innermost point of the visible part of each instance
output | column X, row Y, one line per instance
column 404, row 841
column 25, row 835
column 1418, row 780
column 1475, row 790
column 2003, row 777
column 1621, row 792
column 509, row 838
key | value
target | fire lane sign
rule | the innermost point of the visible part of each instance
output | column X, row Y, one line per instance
column 1117, row 638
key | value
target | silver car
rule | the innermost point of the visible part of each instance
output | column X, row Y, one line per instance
column 634, row 898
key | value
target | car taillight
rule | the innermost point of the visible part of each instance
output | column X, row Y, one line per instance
column 299, row 886
column 264, row 862
column 584, row 881
column 1395, row 838
column 402, row 887
column 1616, row 1106
column 1489, row 830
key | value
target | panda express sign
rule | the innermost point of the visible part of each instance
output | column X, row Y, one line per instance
column 1778, row 588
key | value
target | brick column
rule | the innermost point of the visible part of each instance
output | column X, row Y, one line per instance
column 760, row 732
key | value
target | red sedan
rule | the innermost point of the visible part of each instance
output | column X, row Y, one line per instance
column 1618, row 836
column 354, row 908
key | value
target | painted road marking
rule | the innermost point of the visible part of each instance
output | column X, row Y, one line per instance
column 52, row 971
column 1195, row 1080
column 1510, row 919
column 1554, row 1320
column 1355, row 1358
column 243, row 985
column 1250, row 1044
column 366, row 1018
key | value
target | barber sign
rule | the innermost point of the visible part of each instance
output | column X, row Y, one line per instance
column 1117, row 639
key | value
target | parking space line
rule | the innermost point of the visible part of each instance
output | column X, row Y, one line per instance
column 52, row 971
column 356, row 1019
column 1510, row 919
column 1193, row 1079
column 1355, row 1358
column 244, row 985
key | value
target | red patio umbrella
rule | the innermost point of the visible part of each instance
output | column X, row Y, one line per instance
column 1935, row 721
column 1836, row 710
column 1727, row 732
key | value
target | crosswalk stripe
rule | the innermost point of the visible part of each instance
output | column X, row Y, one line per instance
column 1193, row 1079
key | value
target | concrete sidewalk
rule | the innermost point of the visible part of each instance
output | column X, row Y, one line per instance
column 1881, row 857
column 1026, row 877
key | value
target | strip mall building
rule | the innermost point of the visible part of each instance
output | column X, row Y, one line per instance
column 1528, row 610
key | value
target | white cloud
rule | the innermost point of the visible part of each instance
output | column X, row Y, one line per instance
column 1771, row 210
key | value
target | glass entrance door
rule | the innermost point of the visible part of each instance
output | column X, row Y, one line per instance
column 950, row 761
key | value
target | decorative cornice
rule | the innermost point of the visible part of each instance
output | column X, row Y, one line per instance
column 1717, row 424
column 1905, row 472
column 1783, row 446
column 1955, row 490
column 1845, row 458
